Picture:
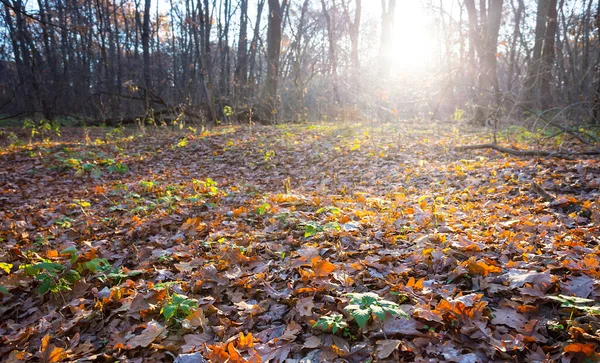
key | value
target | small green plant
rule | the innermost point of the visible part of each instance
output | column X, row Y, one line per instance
column 178, row 306
column 312, row 228
column 329, row 209
column 333, row 323
column 365, row 305
column 207, row 187
column 578, row 303
column 458, row 114
column 263, row 208
column 56, row 277
column 268, row 155
column 6, row 267
column 118, row 168
column 64, row 222
column 52, row 276
column 42, row 128
column 147, row 185
column 14, row 140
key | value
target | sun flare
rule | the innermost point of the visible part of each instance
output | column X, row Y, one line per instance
column 413, row 36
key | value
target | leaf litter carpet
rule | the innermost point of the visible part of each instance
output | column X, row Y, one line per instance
column 337, row 243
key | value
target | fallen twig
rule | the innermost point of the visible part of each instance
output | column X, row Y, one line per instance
column 516, row 152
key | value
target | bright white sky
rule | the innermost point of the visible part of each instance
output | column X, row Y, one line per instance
column 414, row 42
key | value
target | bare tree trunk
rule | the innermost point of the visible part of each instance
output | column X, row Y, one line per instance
column 531, row 90
column 254, row 44
column 332, row 53
column 548, row 56
column 513, row 56
column 240, row 77
column 146, row 51
column 596, row 107
column 483, row 33
column 273, row 51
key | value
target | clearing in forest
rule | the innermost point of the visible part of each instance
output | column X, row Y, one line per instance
column 310, row 243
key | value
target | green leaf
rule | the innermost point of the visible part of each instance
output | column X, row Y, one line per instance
column 72, row 251
column 4, row 291
column 263, row 208
column 378, row 311
column 46, row 285
column 361, row 316
column 72, row 276
column 169, row 310
column 97, row 264
column 52, row 268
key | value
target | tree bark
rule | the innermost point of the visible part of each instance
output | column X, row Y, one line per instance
column 332, row 53
column 146, row 49
column 240, row 77
column 273, row 52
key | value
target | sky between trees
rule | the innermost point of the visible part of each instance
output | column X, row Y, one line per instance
column 117, row 61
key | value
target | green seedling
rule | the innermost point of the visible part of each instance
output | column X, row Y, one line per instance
column 363, row 306
column 179, row 306
column 333, row 323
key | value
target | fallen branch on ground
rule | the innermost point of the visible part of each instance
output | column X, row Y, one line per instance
column 516, row 152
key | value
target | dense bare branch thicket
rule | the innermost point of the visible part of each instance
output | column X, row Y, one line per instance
column 279, row 60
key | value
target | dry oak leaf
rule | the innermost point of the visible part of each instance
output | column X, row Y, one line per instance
column 480, row 267
column 465, row 244
column 587, row 349
column 509, row 317
column 218, row 353
column 322, row 268
column 312, row 342
column 246, row 341
column 580, row 286
column 152, row 331
column 17, row 356
column 50, row 353
column 517, row 278
column 387, row 347
column 305, row 306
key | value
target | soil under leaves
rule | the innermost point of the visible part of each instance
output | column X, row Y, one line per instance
column 231, row 244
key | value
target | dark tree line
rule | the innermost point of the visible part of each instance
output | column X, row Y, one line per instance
column 120, row 60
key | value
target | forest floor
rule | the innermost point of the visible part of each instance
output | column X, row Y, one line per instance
column 308, row 243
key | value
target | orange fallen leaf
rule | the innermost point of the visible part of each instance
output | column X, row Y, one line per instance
column 234, row 355
column 322, row 267
column 246, row 341
column 50, row 353
column 587, row 349
column 218, row 354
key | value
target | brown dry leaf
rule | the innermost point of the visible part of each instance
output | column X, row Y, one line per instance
column 50, row 353
column 517, row 278
column 386, row 347
column 465, row 244
column 399, row 325
column 580, row 286
column 152, row 331
column 194, row 342
column 17, row 356
column 197, row 319
column 312, row 342
column 509, row 317
column 305, row 306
